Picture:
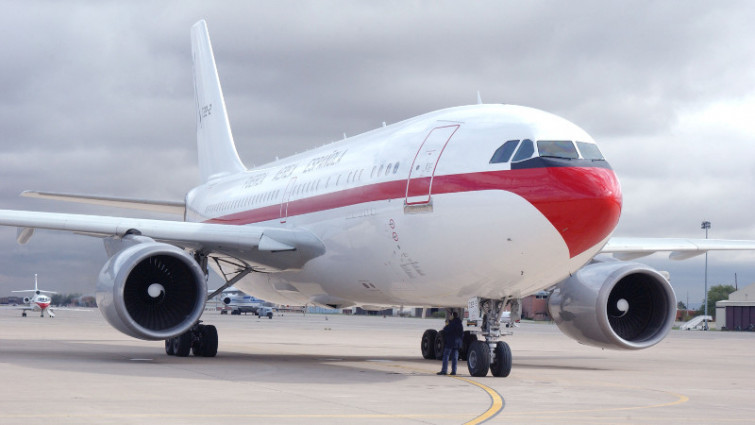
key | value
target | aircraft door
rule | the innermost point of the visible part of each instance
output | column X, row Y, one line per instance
column 420, row 181
column 285, row 198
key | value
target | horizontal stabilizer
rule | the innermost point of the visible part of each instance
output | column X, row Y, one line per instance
column 171, row 207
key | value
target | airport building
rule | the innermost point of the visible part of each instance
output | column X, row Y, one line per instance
column 535, row 307
column 738, row 312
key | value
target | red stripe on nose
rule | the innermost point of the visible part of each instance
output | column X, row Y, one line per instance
column 583, row 204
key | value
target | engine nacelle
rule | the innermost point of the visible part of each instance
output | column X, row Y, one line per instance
column 150, row 290
column 614, row 305
column 27, row 300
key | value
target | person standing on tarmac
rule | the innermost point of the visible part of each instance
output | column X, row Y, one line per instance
column 453, row 333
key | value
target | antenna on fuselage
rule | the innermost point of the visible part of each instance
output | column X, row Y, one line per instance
column 479, row 98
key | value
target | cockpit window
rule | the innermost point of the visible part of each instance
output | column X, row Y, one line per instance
column 503, row 154
column 557, row 149
column 590, row 151
column 526, row 149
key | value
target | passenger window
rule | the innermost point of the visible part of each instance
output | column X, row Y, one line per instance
column 557, row 149
column 395, row 168
column 503, row 154
column 590, row 151
column 388, row 169
column 526, row 149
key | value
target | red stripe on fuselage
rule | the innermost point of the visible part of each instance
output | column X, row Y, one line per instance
column 582, row 203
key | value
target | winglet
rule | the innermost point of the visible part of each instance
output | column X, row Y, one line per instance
column 217, row 151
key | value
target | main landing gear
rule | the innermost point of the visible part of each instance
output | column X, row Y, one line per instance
column 202, row 340
column 481, row 356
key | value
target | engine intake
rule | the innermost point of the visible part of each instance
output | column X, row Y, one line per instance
column 614, row 305
column 150, row 290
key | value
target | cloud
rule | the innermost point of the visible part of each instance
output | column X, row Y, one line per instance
column 97, row 97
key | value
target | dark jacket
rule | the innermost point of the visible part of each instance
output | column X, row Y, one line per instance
column 453, row 333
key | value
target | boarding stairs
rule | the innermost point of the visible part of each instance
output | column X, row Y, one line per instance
column 696, row 323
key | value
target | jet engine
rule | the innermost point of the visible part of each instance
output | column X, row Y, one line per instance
column 614, row 304
column 150, row 290
column 27, row 300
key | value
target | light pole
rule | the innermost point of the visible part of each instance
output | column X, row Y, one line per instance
column 706, row 226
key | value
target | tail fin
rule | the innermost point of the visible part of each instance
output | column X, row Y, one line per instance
column 217, row 151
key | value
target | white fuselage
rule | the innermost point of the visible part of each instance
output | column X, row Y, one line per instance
column 416, row 214
column 40, row 303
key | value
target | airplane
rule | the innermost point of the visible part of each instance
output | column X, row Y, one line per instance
column 38, row 301
column 239, row 302
column 468, row 207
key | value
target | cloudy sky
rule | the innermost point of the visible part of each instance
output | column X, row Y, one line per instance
column 96, row 97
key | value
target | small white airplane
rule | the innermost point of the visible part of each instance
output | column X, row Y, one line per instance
column 475, row 206
column 239, row 302
column 38, row 301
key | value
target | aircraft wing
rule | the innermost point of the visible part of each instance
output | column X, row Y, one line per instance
column 280, row 249
column 16, row 307
column 678, row 248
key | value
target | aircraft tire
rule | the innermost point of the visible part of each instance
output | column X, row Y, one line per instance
column 466, row 341
column 428, row 344
column 478, row 359
column 169, row 347
column 501, row 367
column 182, row 344
column 209, row 341
column 197, row 340
column 440, row 344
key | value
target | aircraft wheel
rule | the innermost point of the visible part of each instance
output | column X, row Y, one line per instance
column 197, row 344
column 209, row 341
column 269, row 315
column 23, row 314
column 440, row 344
column 182, row 344
column 428, row 344
column 501, row 365
column 478, row 358
column 169, row 347
column 466, row 341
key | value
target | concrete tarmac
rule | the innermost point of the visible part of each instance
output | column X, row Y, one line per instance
column 316, row 369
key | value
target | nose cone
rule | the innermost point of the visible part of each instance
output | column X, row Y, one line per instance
column 582, row 203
